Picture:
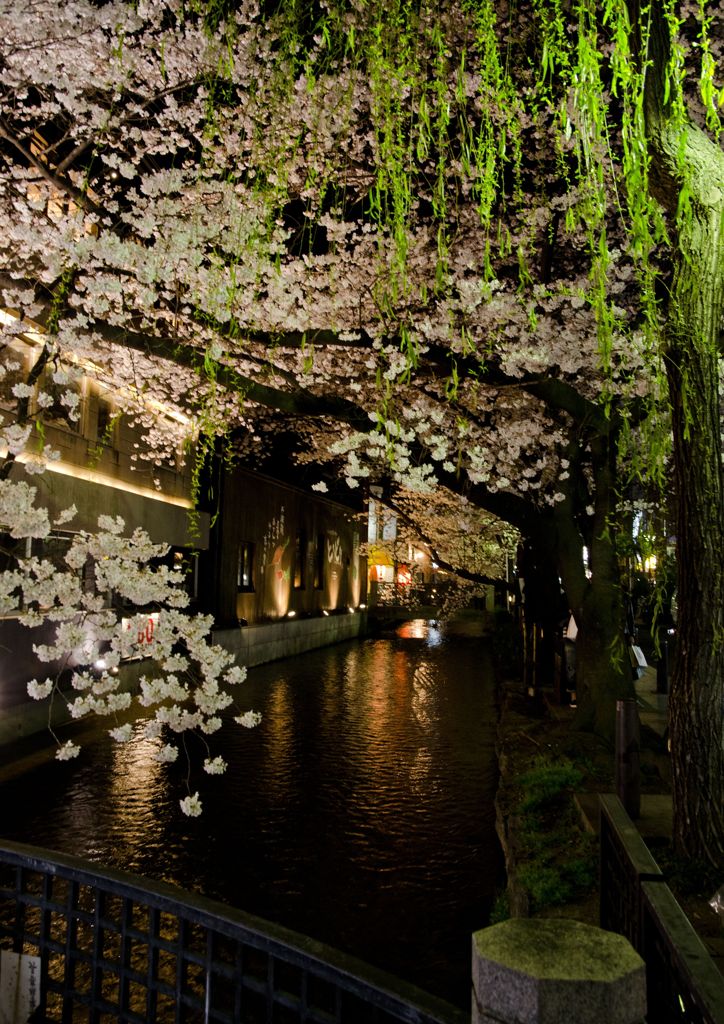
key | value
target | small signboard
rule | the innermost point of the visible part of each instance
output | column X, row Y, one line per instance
column 19, row 986
column 145, row 631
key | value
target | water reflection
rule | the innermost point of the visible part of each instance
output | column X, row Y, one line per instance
column 359, row 812
column 428, row 630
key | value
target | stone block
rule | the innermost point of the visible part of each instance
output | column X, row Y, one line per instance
column 546, row 971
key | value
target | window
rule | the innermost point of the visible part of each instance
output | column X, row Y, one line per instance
column 245, row 575
column 319, row 563
column 61, row 401
column 106, row 423
column 300, row 561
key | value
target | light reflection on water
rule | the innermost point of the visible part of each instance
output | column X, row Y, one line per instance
column 359, row 811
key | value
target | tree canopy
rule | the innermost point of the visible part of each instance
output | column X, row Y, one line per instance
column 451, row 243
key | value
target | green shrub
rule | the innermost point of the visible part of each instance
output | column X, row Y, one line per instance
column 500, row 911
column 558, row 859
column 547, row 781
column 545, row 884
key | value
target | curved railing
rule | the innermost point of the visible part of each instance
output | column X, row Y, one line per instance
column 116, row 947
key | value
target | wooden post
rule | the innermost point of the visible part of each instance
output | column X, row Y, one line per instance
column 662, row 668
column 628, row 756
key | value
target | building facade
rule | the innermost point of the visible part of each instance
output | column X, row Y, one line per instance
column 278, row 553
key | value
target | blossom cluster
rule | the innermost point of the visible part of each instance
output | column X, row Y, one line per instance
column 193, row 679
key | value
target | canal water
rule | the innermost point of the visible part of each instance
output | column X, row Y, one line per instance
column 359, row 812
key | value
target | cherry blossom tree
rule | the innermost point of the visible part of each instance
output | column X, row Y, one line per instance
column 190, row 681
column 430, row 237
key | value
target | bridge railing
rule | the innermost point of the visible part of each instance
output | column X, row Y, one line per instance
column 684, row 985
column 115, row 947
column 409, row 595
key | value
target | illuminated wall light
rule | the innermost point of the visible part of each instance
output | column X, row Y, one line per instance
column 34, row 337
column 38, row 337
column 324, row 611
column 351, row 611
column 291, row 614
column 362, row 607
column 94, row 477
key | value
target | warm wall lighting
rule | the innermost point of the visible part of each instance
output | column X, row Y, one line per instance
column 93, row 476
column 35, row 335
column 291, row 614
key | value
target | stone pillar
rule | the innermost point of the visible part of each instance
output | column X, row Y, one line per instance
column 550, row 970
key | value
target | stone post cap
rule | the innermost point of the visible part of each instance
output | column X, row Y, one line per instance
column 550, row 970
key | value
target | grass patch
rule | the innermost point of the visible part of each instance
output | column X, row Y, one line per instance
column 559, row 861
column 547, row 782
column 500, row 911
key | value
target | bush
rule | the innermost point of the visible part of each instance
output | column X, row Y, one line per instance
column 547, row 782
column 559, row 859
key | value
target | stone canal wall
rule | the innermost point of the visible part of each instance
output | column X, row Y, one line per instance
column 256, row 645
column 252, row 645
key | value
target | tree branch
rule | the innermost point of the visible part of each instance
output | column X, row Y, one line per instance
column 297, row 403
column 466, row 574
column 60, row 183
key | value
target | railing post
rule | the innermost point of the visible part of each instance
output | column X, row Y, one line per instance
column 628, row 756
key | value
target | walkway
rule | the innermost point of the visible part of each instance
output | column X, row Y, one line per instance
column 655, row 821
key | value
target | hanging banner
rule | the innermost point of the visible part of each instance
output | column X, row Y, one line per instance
column 19, row 986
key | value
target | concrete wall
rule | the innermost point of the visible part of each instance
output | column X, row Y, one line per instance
column 165, row 522
column 255, row 645
column 32, row 717
column 252, row 645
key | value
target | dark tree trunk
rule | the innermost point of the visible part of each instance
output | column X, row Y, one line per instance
column 684, row 156
column 542, row 611
column 696, row 700
column 603, row 671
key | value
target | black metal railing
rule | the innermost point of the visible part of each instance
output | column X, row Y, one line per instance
column 684, row 985
column 115, row 947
